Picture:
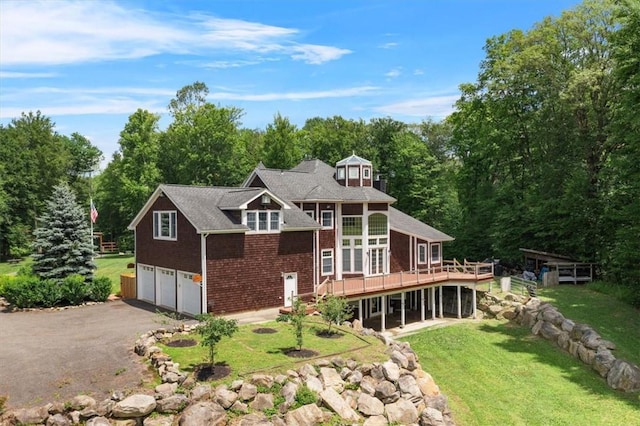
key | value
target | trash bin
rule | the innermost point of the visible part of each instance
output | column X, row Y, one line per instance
column 128, row 286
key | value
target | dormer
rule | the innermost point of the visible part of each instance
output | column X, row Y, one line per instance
column 354, row 171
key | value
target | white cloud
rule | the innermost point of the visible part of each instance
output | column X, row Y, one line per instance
column 9, row 74
column 295, row 96
column 394, row 73
column 434, row 106
column 418, row 72
column 52, row 33
column 389, row 45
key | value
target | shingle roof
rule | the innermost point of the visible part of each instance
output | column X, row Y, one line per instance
column 404, row 223
column 354, row 159
column 313, row 180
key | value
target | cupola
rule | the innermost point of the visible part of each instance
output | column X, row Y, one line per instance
column 354, row 171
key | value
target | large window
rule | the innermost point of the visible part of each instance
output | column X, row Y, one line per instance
column 354, row 172
column 352, row 255
column 263, row 221
column 327, row 262
column 378, row 230
column 422, row 254
column 327, row 219
column 352, row 225
column 435, row 253
column 164, row 225
column 340, row 173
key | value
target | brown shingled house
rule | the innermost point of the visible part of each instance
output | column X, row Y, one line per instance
column 311, row 230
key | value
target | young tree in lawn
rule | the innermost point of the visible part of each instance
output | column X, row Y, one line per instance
column 213, row 329
column 296, row 318
column 63, row 245
column 334, row 310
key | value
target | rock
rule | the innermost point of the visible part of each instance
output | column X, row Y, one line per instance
column 333, row 401
column 240, row 407
column 262, row 380
column 200, row 392
column 165, row 390
column 203, row 413
column 400, row 359
column 58, row 420
column 624, row 376
column 288, row 392
column 128, row 422
column 225, row 397
column 81, row 402
column 537, row 327
column 368, row 385
column 137, row 405
column 338, row 361
column 98, row 421
column 549, row 331
column 36, row 415
column 509, row 314
column 307, row 415
column 355, row 377
column 603, row 361
column 586, row 355
column 427, row 385
column 369, row 405
column 567, row 325
column 431, row 417
column 401, row 412
column 254, row 419
column 172, row 404
column 262, row 401
column 376, row 421
column 578, row 330
column 331, row 379
column 408, row 385
column 117, row 395
column 563, row 340
column 391, row 371
column 386, row 392
column 553, row 316
column 438, row 402
column 247, row 392
column 591, row 339
column 314, row 384
column 357, row 325
column 158, row 421
column 307, row 370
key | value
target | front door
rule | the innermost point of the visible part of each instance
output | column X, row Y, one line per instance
column 290, row 287
column 376, row 261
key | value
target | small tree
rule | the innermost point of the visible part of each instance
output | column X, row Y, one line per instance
column 63, row 245
column 334, row 310
column 296, row 318
column 213, row 329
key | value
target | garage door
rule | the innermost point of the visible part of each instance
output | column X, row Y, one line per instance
column 145, row 283
column 166, row 288
column 189, row 295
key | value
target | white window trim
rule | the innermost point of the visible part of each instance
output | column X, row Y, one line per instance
column 341, row 173
column 439, row 258
column 262, row 231
column 322, row 257
column 356, row 170
column 352, row 247
column 366, row 173
column 322, row 219
column 422, row 255
column 157, row 218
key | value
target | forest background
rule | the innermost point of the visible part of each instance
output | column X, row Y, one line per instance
column 542, row 151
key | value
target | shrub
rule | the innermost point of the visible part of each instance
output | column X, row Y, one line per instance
column 334, row 310
column 29, row 291
column 305, row 396
column 74, row 289
column 99, row 289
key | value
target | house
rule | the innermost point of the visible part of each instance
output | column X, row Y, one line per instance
column 308, row 231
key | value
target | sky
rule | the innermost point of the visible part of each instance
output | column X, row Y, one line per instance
column 90, row 64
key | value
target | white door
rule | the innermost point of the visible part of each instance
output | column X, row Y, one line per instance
column 377, row 260
column 189, row 296
column 290, row 287
column 166, row 288
column 145, row 283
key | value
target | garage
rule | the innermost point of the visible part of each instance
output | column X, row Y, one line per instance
column 166, row 288
column 145, row 285
column 189, row 294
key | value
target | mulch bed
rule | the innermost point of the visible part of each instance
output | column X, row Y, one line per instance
column 203, row 372
column 264, row 330
column 329, row 334
column 300, row 353
column 181, row 343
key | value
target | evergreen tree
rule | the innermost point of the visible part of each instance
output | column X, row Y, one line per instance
column 63, row 243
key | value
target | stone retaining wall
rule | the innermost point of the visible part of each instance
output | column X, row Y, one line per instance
column 579, row 340
column 397, row 391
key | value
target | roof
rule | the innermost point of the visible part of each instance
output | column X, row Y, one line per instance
column 204, row 207
column 354, row 159
column 406, row 224
column 313, row 180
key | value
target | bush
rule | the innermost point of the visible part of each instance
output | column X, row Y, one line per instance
column 74, row 289
column 29, row 291
column 99, row 289
column 305, row 396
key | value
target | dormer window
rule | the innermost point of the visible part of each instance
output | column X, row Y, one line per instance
column 354, row 172
column 340, row 173
column 266, row 199
column 262, row 221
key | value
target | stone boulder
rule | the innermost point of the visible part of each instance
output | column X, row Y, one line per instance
column 306, row 415
column 333, row 401
column 203, row 413
column 137, row 405
column 370, row 405
column 624, row 376
column 401, row 412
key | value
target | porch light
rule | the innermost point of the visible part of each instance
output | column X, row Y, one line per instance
column 197, row 278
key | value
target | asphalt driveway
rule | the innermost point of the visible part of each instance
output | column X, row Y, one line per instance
column 48, row 356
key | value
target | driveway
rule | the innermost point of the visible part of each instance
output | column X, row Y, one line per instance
column 48, row 356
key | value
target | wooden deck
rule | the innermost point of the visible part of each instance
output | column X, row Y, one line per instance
column 451, row 273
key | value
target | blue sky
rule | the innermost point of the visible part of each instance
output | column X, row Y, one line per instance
column 90, row 64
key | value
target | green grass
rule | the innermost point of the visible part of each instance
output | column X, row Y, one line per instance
column 108, row 266
column 495, row 372
column 247, row 352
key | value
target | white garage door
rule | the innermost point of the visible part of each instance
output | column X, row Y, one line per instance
column 166, row 288
column 145, row 283
column 189, row 295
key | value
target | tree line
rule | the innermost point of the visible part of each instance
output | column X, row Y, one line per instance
column 542, row 151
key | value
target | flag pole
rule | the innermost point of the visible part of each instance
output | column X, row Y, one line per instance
column 91, row 222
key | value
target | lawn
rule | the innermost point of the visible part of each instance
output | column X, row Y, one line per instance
column 495, row 372
column 108, row 265
column 248, row 352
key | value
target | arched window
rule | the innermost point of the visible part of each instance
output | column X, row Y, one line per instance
column 377, row 224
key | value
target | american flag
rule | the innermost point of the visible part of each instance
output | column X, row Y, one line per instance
column 94, row 213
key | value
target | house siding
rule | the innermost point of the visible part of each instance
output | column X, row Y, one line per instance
column 244, row 272
column 399, row 252
column 182, row 254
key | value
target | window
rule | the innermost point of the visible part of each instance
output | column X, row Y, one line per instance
column 435, row 253
column 327, row 262
column 340, row 173
column 352, row 225
column 422, row 254
column 366, row 173
column 327, row 219
column 354, row 172
column 377, row 224
column 263, row 221
column 164, row 225
column 311, row 213
column 352, row 255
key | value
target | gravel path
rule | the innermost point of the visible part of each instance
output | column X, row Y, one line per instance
column 48, row 355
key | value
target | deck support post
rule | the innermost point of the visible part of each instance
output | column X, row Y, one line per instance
column 402, row 309
column 383, row 322
column 422, row 302
column 360, row 311
column 440, row 302
column 474, row 301
column 459, row 301
column 433, row 303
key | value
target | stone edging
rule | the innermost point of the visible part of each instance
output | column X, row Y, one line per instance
column 397, row 391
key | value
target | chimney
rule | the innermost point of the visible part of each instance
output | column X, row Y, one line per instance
column 380, row 183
